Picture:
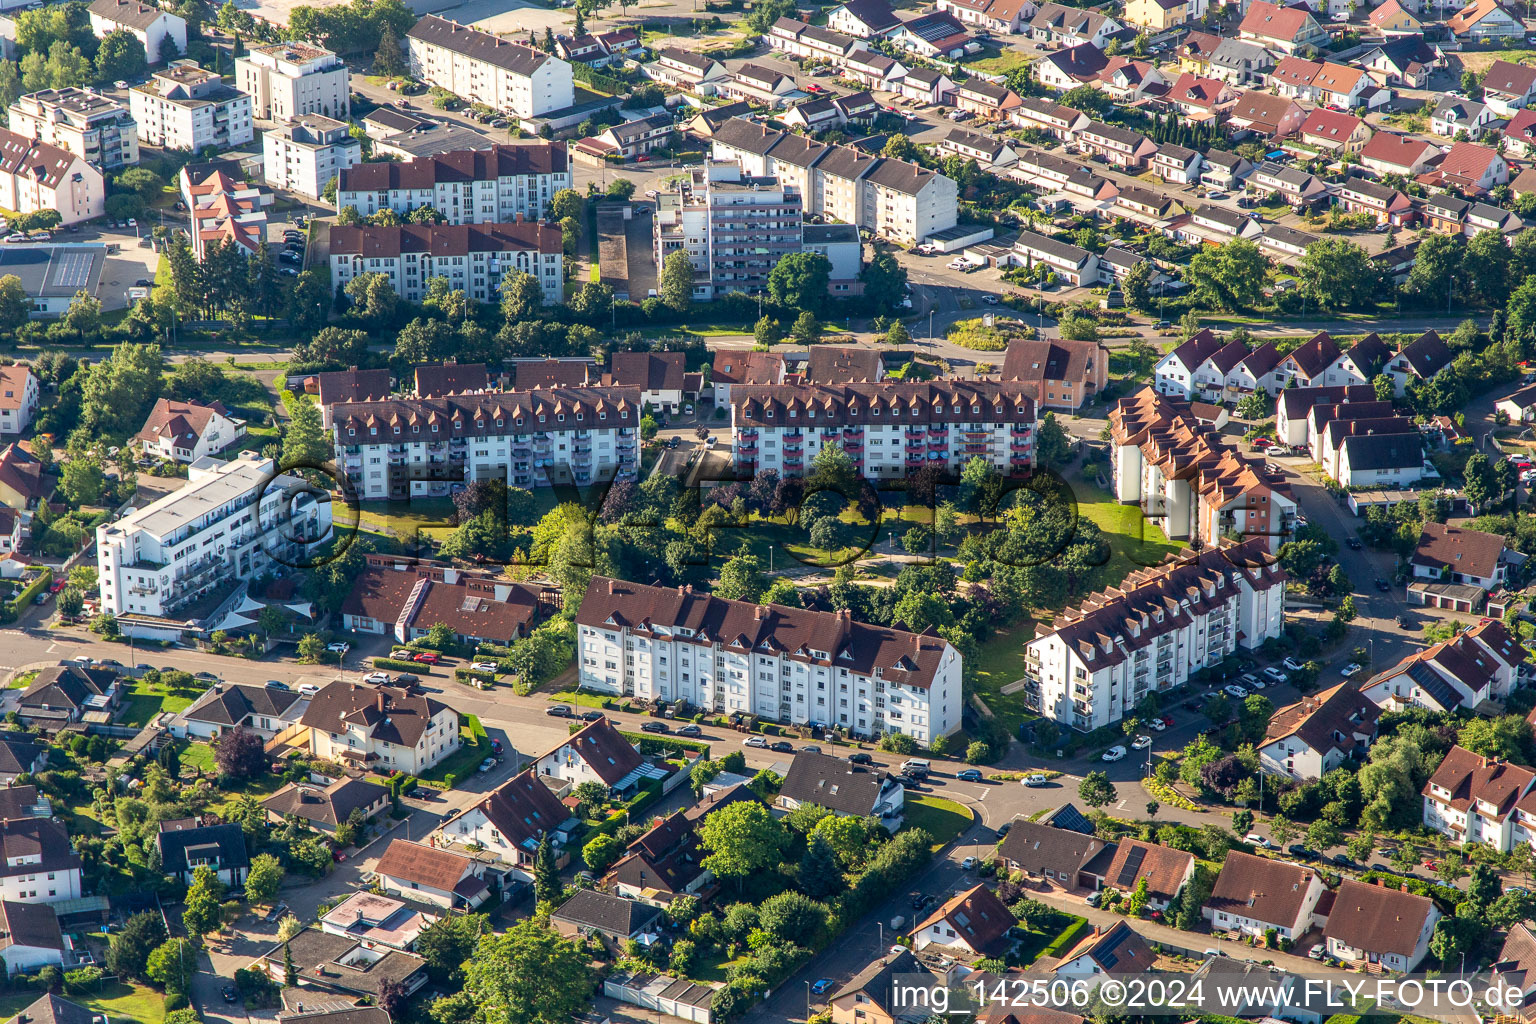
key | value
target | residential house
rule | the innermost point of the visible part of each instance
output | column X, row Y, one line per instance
column 1063, row 175
column 926, row 85
column 1287, row 29
column 1116, row 264
column 613, row 920
column 1386, row 204
column 1480, row 664
column 1317, row 363
column 1421, row 360
column 1508, row 87
column 986, row 150
column 1369, row 356
column 1380, row 925
column 37, row 862
column 340, row 966
column 667, row 862
column 999, row 17
column 1071, row 26
column 797, row 39
column 264, row 710
column 381, row 727
column 1393, row 19
column 186, row 844
column 377, row 922
column 1046, row 115
column 987, row 101
column 1066, row 374
column 1071, row 263
column 1123, row 866
column 1469, row 168
column 754, row 83
column 405, row 598
column 934, row 35
column 1057, row 855
column 1472, row 562
column 1146, row 206
column 329, row 805
column 864, row 19
column 1520, row 407
column 1224, row 170
column 874, row 70
column 1455, row 114
column 637, row 137
column 1296, row 186
column 1200, row 98
column 61, row 694
column 869, row 997
column 1389, row 153
column 1256, row 371
column 184, row 431
column 1238, row 63
column 596, row 753
column 20, row 755
column 971, row 923
column 733, row 366
column 687, row 68
column 1118, row 951
column 18, row 398
column 1381, row 461
column 22, row 482
column 1254, row 894
column 429, row 874
column 1265, row 115
column 1474, row 798
column 1520, row 134
column 36, row 176
column 31, row 939
column 1174, row 374
column 658, row 375
column 1484, row 21
column 839, row 364
column 1120, row 147
column 1072, row 66
column 1195, row 50
column 842, row 788
column 1406, row 62
column 1333, row 132
column 1317, row 734
column 162, row 34
column 508, row 823
column 1127, row 80
column 1160, row 15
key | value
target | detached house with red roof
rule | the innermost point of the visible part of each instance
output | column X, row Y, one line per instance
column 1468, row 167
column 1124, row 865
column 1520, row 134
column 185, row 431
column 508, row 823
column 18, row 398
column 1254, row 894
column 1418, row 361
column 1287, row 29
column 1508, row 87
column 429, row 874
column 597, row 753
column 1477, row 665
column 1485, row 20
column 380, row 727
column 1380, row 926
column 1333, row 132
column 1390, row 153
column 973, row 923
column 783, row 664
column 1310, row 738
column 1118, row 951
column 1477, row 799
column 1201, row 97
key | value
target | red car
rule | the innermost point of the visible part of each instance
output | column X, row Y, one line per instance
column 1168, row 721
column 426, row 657
column 813, row 87
column 1431, row 865
column 56, row 586
column 1260, row 443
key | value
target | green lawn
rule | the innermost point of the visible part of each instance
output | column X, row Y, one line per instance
column 119, row 1002
column 999, row 662
column 145, row 702
column 1134, row 541
column 998, row 61
column 199, row 757
column 940, row 818
column 22, row 680
column 474, row 747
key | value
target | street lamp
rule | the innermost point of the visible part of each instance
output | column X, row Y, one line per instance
column 807, row 1000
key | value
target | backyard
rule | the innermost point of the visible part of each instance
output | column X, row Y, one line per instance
column 147, row 700
column 120, row 1003
column 475, row 746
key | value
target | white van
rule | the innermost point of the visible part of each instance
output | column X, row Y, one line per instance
column 917, row 762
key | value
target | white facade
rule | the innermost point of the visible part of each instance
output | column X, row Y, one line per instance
column 304, row 156
column 1092, row 671
column 18, row 398
column 1227, row 920
column 389, row 448
column 185, row 107
column 149, row 25
column 494, row 186
column 472, row 258
column 98, row 130
column 35, row 176
column 200, row 537
column 479, row 67
column 288, row 80
column 439, row 740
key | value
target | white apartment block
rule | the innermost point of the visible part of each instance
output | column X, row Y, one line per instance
column 304, row 155
column 232, row 521
column 783, row 664
column 1147, row 635
column 150, row 25
column 36, row 176
column 186, row 107
column 98, row 130
column 892, row 198
column 735, row 229
column 1485, row 800
column 888, row 428
column 467, row 186
column 399, row 448
column 472, row 257
column 479, row 67
column 288, row 80
column 39, row 864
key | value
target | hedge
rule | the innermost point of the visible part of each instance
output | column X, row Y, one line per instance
column 20, row 602
column 463, row 674
column 399, row 666
column 643, row 799
column 1069, row 935
column 1446, row 896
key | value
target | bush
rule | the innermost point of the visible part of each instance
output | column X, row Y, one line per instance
column 84, row 981
column 898, row 743
column 398, row 666
column 176, row 1001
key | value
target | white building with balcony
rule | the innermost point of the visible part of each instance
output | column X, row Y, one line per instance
column 480, row 67
column 305, row 155
column 399, row 448
column 467, row 186
column 288, row 80
column 186, row 107
column 783, row 664
column 1473, row 798
column 95, row 128
column 232, row 521
column 1104, row 657
column 473, row 258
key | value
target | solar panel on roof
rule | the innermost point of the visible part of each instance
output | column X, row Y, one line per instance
column 1132, row 867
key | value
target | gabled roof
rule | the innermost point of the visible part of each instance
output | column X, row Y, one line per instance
column 51, row 1009
column 42, row 838
column 522, row 809
column 1271, row 21
column 1376, row 918
column 833, row 364
column 1163, row 867
column 833, row 783
column 1260, row 889
column 1396, row 150
column 1198, row 348
column 33, row 925
column 1320, row 720
column 1051, row 359
column 977, row 917
column 1331, row 125
column 1262, row 109
column 329, row 805
column 608, row 754
column 230, row 704
column 388, row 714
column 506, row 54
column 1472, row 552
column 1470, row 777
column 1383, row 451
column 1469, row 16
column 1370, row 353
column 184, row 837
column 876, row 982
column 1034, row 846
column 1509, row 79
column 877, row 15
column 605, row 914
column 431, row 866
column 1119, row 951
column 1428, row 355
column 1317, row 354
column 129, row 13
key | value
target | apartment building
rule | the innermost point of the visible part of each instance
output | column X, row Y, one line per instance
column 94, row 128
column 1102, row 658
column 289, row 80
column 734, row 228
column 1189, row 480
column 472, row 257
column 222, row 206
column 186, row 107
column 232, row 521
column 467, row 186
column 479, row 67
column 37, row 176
column 783, row 664
column 1062, row 374
column 305, row 154
column 399, row 448
column 892, row 198
column 889, row 429
column 1473, row 798
column 156, row 30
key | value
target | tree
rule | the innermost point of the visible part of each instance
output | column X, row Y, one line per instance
column 203, row 912
column 82, row 480
column 1508, row 737
column 521, row 296
column 528, row 975
column 1480, row 486
column 15, row 304
column 819, row 875
column 1229, row 276
column 1487, row 267
column 601, row 853
column 1096, row 790
column 240, row 753
column 388, row 59
column 741, row 579
column 741, row 839
column 1324, row 835
column 448, row 943
column 807, row 330
column 547, row 886
column 373, row 299
column 1337, row 274
column 306, row 443
column 799, row 281
column 897, row 335
column 765, row 333
column 71, row 601
column 885, row 281
column 130, row 947
column 121, row 55
column 676, row 289
column 1053, row 449
column 1437, row 264
column 1254, row 406
column 172, row 965
column 1137, row 286
column 264, row 878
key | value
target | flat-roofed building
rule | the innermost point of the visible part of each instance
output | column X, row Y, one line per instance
column 95, row 128
column 288, row 80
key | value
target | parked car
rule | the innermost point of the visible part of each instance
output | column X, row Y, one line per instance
column 1156, row 725
column 1344, row 860
column 1382, row 585
column 655, row 727
column 1318, row 951
column 1235, row 691
column 1275, row 452
column 1349, row 670
column 690, row 730
column 377, row 678
column 1403, row 622
column 859, row 757
column 1256, row 840
column 1114, row 753
column 821, row 986
column 1354, row 543
column 487, row 764
column 1274, row 673
column 969, row 775
column 561, row 711
column 406, row 678
column 483, row 666
column 1297, row 850
column 1034, row 781
column 426, row 657
column 1292, row 665
column 338, row 647
column 968, row 864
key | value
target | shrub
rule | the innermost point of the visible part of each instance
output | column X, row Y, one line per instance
column 176, row 1001
column 83, row 981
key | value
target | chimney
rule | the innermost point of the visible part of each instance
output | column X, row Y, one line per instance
column 610, row 587
column 380, row 700
column 1403, row 887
